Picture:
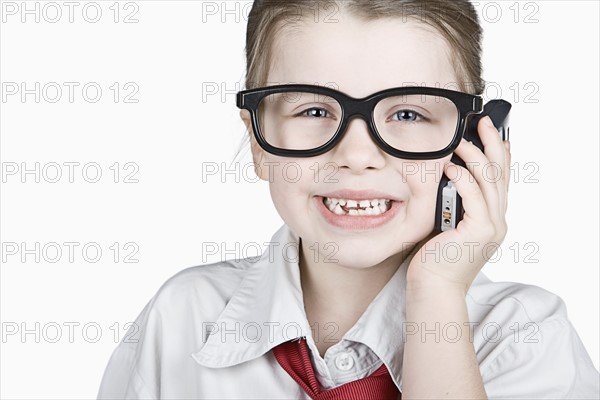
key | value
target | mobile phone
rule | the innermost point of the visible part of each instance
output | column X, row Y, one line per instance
column 449, row 210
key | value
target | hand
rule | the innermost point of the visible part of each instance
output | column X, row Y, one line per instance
column 454, row 257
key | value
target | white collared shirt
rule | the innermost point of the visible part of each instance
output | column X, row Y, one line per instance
column 208, row 332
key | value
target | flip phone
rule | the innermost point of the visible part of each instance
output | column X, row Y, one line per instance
column 449, row 210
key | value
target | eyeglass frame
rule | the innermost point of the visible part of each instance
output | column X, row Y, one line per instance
column 467, row 105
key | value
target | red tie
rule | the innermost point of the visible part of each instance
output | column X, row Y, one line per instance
column 293, row 357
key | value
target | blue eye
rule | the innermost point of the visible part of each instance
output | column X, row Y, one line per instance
column 406, row 116
column 316, row 113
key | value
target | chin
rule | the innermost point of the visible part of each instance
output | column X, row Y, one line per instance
column 360, row 257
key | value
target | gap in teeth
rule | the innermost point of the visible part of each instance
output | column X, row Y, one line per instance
column 357, row 207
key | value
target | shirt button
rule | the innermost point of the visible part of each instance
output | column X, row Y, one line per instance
column 344, row 362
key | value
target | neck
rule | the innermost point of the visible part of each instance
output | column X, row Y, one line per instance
column 335, row 296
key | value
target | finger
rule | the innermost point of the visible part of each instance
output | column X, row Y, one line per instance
column 493, row 145
column 495, row 151
column 484, row 173
column 507, row 162
column 473, row 199
column 492, row 142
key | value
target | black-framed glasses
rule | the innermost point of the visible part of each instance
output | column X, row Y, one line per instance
column 416, row 122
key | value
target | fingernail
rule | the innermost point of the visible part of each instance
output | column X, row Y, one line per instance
column 488, row 122
column 451, row 171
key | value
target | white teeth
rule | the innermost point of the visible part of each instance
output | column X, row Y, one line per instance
column 357, row 207
column 364, row 203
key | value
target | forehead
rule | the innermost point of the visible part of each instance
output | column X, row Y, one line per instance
column 361, row 57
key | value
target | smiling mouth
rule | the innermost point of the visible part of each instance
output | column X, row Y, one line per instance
column 357, row 208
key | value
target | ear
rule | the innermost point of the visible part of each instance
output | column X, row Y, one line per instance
column 257, row 152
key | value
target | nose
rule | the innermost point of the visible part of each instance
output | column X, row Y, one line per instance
column 357, row 151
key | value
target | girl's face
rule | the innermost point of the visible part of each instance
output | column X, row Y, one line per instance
column 358, row 58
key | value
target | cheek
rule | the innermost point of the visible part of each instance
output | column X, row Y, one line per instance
column 424, row 188
column 290, row 184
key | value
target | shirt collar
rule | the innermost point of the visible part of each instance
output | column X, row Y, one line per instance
column 267, row 309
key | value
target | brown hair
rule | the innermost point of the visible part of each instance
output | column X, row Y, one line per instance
column 455, row 20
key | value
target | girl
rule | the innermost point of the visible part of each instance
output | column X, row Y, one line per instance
column 355, row 297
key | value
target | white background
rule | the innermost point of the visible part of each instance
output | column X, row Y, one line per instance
column 175, row 54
